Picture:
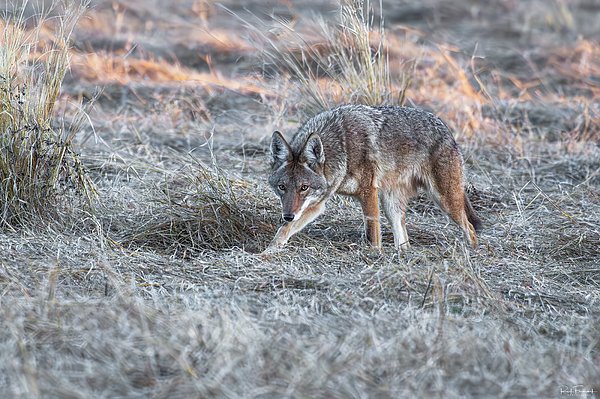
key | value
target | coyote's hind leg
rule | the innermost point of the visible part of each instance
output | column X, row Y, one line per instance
column 395, row 208
column 449, row 194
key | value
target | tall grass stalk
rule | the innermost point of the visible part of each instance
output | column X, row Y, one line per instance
column 37, row 161
column 361, row 54
column 348, row 63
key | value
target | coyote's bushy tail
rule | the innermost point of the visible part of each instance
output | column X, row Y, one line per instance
column 471, row 216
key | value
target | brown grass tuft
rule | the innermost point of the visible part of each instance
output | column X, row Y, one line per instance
column 202, row 208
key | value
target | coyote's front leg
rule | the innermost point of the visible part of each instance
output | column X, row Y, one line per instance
column 370, row 207
column 290, row 228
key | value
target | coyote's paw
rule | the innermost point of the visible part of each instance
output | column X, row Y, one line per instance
column 272, row 249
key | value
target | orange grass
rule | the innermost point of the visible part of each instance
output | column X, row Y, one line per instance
column 105, row 68
column 580, row 63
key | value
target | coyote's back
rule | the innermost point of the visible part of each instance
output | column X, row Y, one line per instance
column 375, row 154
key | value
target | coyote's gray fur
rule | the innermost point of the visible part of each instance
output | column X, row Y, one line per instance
column 372, row 153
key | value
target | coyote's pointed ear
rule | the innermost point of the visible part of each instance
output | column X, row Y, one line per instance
column 312, row 153
column 280, row 149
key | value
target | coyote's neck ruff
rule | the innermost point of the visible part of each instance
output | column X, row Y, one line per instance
column 381, row 153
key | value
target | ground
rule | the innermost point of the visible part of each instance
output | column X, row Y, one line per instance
column 162, row 291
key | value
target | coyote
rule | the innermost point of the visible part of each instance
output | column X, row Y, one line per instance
column 372, row 153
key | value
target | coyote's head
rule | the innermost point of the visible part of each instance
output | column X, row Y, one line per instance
column 297, row 177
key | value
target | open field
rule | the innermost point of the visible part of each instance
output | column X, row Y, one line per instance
column 160, row 290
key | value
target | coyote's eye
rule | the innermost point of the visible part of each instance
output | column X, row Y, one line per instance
column 304, row 187
column 281, row 187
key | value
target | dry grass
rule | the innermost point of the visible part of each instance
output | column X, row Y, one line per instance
column 37, row 161
column 346, row 61
column 167, row 295
column 201, row 208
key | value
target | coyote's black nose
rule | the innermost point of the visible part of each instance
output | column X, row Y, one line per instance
column 288, row 217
